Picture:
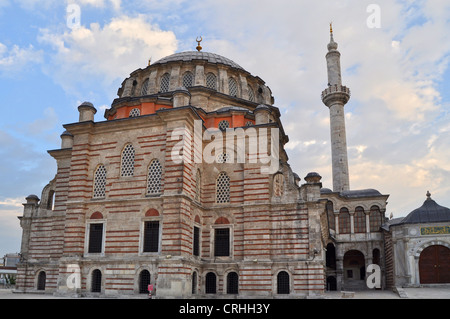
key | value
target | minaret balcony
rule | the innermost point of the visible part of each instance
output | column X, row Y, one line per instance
column 336, row 93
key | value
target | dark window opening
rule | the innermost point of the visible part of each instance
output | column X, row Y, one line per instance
column 196, row 243
column 151, row 237
column 210, row 283
column 96, row 282
column 222, row 242
column 194, row 283
column 232, row 283
column 283, row 283
column 41, row 280
column 95, row 238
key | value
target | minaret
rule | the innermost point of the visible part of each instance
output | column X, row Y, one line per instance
column 335, row 97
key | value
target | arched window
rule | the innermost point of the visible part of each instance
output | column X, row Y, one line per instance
column 223, row 188
column 375, row 219
column 232, row 283
column 100, row 182
column 144, row 281
column 360, row 220
column 194, row 283
column 232, row 87
column 42, row 278
column 133, row 88
column 127, row 164
column 251, row 94
column 165, row 82
column 283, row 285
column 223, row 125
column 135, row 112
column 144, row 87
column 188, row 79
column 96, row 281
column 51, row 200
column 210, row 283
column 211, row 81
column 154, row 178
column 344, row 221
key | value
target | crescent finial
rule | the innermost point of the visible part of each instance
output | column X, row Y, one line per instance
column 199, row 47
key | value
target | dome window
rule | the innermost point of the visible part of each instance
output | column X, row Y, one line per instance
column 144, row 88
column 135, row 113
column 251, row 95
column 223, row 125
column 188, row 79
column 232, row 87
column 211, row 81
column 165, row 81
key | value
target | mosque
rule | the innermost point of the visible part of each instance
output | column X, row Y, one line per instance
column 185, row 189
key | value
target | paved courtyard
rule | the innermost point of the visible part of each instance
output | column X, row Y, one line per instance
column 409, row 293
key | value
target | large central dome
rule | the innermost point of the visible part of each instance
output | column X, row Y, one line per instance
column 189, row 56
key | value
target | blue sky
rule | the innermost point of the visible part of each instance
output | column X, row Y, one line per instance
column 398, row 121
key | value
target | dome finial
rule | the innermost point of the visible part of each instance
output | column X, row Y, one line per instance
column 199, row 47
column 428, row 195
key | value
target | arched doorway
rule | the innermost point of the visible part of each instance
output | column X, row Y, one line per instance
column 354, row 270
column 434, row 265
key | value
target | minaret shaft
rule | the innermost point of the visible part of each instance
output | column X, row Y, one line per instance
column 335, row 97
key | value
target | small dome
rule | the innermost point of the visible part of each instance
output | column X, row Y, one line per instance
column 429, row 212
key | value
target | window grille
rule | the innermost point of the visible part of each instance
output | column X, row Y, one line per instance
column 278, row 185
column 96, row 281
column 222, row 242
column 196, row 242
column 135, row 112
column 144, row 281
column 128, row 161
column 198, row 186
column 223, row 188
column 42, row 278
column 283, row 283
column 151, row 237
column 375, row 219
column 95, row 238
column 210, row 283
column 232, row 283
column 144, row 87
column 154, row 178
column 188, row 79
column 232, row 87
column 194, row 282
column 223, row 125
column 100, row 182
column 211, row 81
column 165, row 82
column 223, row 158
column 344, row 221
column 251, row 95
column 360, row 220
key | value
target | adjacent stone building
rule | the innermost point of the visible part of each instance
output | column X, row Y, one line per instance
column 419, row 247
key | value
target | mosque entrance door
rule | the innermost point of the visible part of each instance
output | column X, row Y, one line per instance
column 434, row 265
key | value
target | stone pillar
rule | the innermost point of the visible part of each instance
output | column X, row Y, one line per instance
column 200, row 75
column 262, row 113
column 181, row 97
column 87, row 112
column 66, row 140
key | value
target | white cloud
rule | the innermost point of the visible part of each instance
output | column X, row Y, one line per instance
column 13, row 60
column 96, row 57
